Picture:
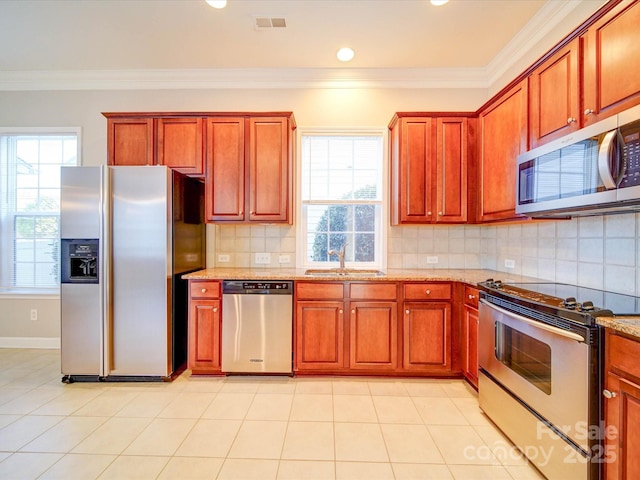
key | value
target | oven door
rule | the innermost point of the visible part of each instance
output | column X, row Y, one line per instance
column 544, row 366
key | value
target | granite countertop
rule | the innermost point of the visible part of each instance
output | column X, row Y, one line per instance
column 622, row 323
column 470, row 276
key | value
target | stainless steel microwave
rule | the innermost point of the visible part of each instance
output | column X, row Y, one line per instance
column 593, row 171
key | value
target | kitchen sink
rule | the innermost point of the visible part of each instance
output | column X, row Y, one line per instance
column 343, row 272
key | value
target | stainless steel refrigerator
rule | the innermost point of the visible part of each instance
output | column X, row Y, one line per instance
column 127, row 235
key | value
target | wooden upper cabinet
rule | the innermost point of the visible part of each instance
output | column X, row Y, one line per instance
column 429, row 161
column 224, row 185
column 612, row 62
column 250, row 169
column 554, row 97
column 180, row 144
column 413, row 170
column 270, row 166
column 130, row 141
column 451, row 169
column 503, row 136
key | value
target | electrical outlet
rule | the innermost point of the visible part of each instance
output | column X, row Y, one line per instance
column 284, row 259
column 432, row 259
column 263, row 258
column 508, row 263
column 34, row 314
column 224, row 258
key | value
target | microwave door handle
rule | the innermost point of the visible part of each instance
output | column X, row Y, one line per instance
column 533, row 323
column 605, row 152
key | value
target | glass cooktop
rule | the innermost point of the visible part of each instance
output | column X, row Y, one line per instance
column 570, row 297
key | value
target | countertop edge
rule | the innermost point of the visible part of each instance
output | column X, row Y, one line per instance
column 629, row 325
column 469, row 276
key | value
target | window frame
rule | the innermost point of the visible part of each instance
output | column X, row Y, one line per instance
column 6, row 240
column 381, row 234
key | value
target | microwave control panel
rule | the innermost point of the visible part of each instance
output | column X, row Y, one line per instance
column 631, row 154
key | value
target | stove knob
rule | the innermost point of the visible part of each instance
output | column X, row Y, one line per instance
column 587, row 307
column 497, row 284
column 570, row 303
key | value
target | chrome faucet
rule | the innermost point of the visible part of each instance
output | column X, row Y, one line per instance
column 340, row 254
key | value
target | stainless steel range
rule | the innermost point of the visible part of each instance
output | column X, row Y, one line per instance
column 541, row 357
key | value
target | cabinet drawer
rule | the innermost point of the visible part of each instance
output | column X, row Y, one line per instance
column 206, row 289
column 319, row 290
column 427, row 291
column 373, row 291
column 471, row 296
column 623, row 354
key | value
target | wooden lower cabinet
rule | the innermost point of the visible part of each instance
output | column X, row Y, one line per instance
column 373, row 335
column 319, row 337
column 345, row 326
column 427, row 345
column 470, row 336
column 622, row 408
column 204, row 327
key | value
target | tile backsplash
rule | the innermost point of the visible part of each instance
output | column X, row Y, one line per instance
column 600, row 252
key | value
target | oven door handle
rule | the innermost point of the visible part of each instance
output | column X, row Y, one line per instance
column 533, row 323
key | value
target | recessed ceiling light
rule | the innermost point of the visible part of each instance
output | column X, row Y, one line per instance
column 437, row 3
column 345, row 54
column 217, row 3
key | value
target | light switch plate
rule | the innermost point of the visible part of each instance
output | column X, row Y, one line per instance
column 263, row 258
column 508, row 263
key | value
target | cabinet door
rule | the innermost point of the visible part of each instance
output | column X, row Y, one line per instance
column 225, row 180
column 622, row 439
column 204, row 336
column 179, row 144
column 373, row 339
column 130, row 141
column 503, row 136
column 451, row 159
column 319, row 337
column 612, row 62
column 554, row 99
column 269, row 169
column 470, row 349
column 415, row 171
column 426, row 330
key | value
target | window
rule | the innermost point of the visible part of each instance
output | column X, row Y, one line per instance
column 342, row 198
column 30, row 207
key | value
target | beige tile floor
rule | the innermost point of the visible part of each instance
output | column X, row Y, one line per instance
column 243, row 428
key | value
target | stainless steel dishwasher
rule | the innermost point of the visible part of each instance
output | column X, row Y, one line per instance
column 257, row 324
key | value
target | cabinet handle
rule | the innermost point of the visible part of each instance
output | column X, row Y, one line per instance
column 353, row 311
column 215, row 309
column 204, row 290
column 471, row 297
column 440, row 213
column 571, row 120
column 429, row 213
column 428, row 292
column 609, row 393
column 407, row 311
column 340, row 311
column 588, row 111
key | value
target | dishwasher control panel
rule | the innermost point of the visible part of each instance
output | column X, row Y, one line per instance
column 249, row 287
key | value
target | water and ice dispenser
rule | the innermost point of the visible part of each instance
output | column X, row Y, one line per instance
column 79, row 260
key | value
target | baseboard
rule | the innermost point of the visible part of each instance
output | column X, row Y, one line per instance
column 30, row 342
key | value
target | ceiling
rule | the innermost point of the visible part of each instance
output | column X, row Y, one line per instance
column 72, row 36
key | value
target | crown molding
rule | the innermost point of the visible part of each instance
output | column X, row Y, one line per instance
column 548, row 17
column 244, row 78
column 544, row 21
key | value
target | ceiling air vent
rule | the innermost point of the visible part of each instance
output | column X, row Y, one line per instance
column 264, row 22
